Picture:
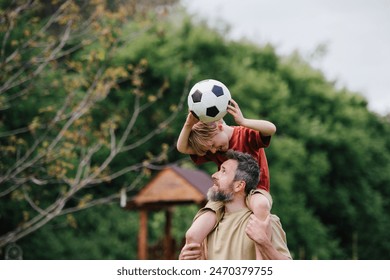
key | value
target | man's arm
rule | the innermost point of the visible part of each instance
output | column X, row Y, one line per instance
column 192, row 251
column 260, row 232
column 266, row 128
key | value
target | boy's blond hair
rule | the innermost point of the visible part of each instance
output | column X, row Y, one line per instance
column 201, row 135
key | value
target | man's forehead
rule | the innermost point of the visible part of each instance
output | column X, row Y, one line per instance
column 230, row 163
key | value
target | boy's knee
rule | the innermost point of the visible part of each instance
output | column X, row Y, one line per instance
column 190, row 236
column 203, row 224
column 260, row 206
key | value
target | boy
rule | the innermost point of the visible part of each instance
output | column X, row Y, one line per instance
column 208, row 142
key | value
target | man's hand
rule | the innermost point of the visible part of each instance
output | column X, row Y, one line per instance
column 259, row 231
column 191, row 251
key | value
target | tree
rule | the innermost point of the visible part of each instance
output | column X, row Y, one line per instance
column 97, row 119
column 59, row 76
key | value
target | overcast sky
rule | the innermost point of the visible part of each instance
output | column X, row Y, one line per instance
column 356, row 33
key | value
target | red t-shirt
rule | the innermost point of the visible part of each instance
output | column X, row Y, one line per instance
column 245, row 140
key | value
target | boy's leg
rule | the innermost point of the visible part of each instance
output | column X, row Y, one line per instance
column 262, row 196
column 201, row 227
column 205, row 220
column 260, row 204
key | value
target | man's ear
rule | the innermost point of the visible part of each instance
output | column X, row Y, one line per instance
column 240, row 186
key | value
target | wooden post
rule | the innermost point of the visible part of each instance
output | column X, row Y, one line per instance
column 143, row 235
column 168, row 250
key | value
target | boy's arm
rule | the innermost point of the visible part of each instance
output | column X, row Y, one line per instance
column 182, row 142
column 266, row 128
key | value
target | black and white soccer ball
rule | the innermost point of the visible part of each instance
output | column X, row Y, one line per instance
column 208, row 100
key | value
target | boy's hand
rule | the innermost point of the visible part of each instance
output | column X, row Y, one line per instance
column 234, row 110
column 191, row 120
column 266, row 128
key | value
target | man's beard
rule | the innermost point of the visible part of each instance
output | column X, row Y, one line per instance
column 215, row 195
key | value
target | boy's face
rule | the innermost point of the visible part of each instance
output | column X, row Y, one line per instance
column 219, row 143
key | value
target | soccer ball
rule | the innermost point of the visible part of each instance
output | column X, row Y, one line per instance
column 208, row 100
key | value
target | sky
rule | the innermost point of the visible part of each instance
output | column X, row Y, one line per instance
column 355, row 33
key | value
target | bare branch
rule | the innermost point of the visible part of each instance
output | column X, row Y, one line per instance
column 13, row 81
column 163, row 125
column 13, row 132
column 11, row 25
column 32, row 204
column 104, row 200
column 48, row 140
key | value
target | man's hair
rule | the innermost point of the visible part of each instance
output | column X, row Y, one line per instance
column 247, row 169
column 201, row 136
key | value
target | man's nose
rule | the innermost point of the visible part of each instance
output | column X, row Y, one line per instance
column 213, row 150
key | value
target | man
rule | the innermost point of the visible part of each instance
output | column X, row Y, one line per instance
column 239, row 234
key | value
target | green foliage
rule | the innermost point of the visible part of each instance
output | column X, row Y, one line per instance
column 85, row 235
column 329, row 160
column 326, row 137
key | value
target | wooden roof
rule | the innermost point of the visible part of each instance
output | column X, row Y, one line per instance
column 171, row 186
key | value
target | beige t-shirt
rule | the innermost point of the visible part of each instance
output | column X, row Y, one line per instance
column 228, row 241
